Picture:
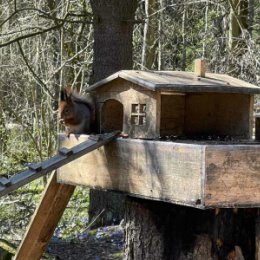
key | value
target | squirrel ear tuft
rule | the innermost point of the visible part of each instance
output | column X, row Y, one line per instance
column 64, row 95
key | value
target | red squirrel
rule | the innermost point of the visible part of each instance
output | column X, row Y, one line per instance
column 76, row 112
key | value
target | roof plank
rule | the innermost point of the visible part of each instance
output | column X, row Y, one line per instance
column 182, row 81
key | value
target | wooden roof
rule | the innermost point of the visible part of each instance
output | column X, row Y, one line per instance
column 181, row 81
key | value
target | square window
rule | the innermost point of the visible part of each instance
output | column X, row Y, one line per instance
column 138, row 114
column 143, row 108
column 142, row 120
column 135, row 108
column 134, row 120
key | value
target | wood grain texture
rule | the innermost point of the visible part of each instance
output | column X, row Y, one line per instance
column 44, row 220
column 232, row 176
column 157, row 170
column 172, row 115
column 127, row 94
column 200, row 68
column 181, row 81
column 198, row 175
column 191, row 114
column 218, row 114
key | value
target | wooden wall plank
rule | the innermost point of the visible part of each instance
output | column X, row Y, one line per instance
column 44, row 220
column 172, row 115
column 233, row 176
column 157, row 170
column 218, row 114
column 127, row 94
column 198, row 175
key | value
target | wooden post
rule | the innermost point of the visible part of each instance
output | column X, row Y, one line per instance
column 200, row 68
column 44, row 220
column 257, row 128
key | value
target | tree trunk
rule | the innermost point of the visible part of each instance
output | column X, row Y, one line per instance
column 113, row 33
column 157, row 230
column 251, row 15
column 150, row 40
column 238, row 22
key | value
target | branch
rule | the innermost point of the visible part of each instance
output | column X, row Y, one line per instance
column 65, row 62
column 48, row 16
column 21, row 10
column 192, row 2
column 31, row 35
column 22, row 30
column 32, row 71
column 234, row 9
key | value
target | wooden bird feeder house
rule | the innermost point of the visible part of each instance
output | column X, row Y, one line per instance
column 190, row 139
column 189, row 142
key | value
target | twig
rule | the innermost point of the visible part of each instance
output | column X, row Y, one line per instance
column 33, row 73
column 95, row 219
column 65, row 62
column 31, row 35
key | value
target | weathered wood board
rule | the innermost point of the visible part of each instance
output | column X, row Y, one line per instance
column 232, row 175
column 181, row 81
column 193, row 174
column 187, row 114
column 218, row 114
column 168, row 172
column 119, row 117
column 45, row 219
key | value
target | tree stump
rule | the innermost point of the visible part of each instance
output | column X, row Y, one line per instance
column 156, row 230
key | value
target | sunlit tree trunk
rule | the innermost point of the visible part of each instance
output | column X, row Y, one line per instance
column 238, row 21
column 251, row 15
column 150, row 38
column 184, row 39
column 160, row 32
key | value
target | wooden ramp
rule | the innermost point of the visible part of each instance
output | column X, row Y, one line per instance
column 55, row 197
column 63, row 157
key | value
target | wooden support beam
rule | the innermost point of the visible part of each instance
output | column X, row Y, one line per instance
column 45, row 219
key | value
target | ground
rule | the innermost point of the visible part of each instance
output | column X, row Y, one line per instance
column 101, row 244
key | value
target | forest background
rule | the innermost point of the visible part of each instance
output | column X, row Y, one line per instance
column 46, row 45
